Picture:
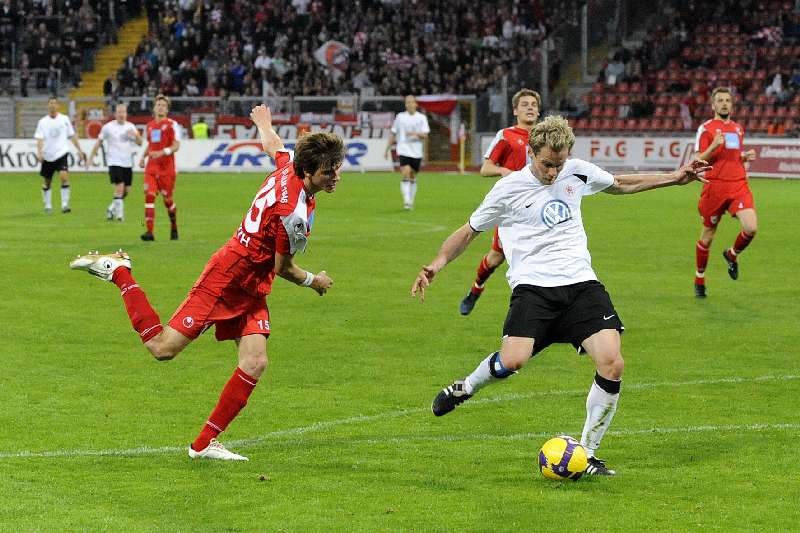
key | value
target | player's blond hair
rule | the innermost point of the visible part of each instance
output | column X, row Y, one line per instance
column 718, row 90
column 525, row 92
column 553, row 131
column 162, row 97
column 315, row 151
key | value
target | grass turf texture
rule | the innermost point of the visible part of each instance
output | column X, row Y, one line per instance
column 339, row 432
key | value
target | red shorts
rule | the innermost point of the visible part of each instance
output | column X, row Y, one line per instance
column 720, row 196
column 159, row 182
column 497, row 246
column 217, row 299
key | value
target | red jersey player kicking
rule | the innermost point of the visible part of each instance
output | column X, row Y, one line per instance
column 507, row 153
column 163, row 140
column 230, row 293
column 720, row 142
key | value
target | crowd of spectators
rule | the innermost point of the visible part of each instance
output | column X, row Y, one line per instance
column 389, row 47
column 47, row 44
column 751, row 46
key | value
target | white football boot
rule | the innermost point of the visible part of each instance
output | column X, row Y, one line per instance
column 215, row 450
column 101, row 265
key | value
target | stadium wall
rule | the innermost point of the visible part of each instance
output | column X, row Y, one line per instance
column 778, row 158
column 222, row 155
column 775, row 158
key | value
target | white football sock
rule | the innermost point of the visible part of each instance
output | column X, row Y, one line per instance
column 64, row 196
column 119, row 207
column 405, row 188
column 483, row 374
column 600, row 409
column 47, row 195
column 412, row 192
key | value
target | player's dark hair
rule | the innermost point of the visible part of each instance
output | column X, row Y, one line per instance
column 315, row 151
column 525, row 92
column 52, row 98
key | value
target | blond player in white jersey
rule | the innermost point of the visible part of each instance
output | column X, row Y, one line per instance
column 409, row 129
column 121, row 138
column 556, row 297
column 53, row 134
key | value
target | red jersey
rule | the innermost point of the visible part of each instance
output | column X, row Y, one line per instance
column 279, row 220
column 727, row 158
column 509, row 148
column 161, row 134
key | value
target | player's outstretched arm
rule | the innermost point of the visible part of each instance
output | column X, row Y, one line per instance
column 452, row 247
column 262, row 118
column 285, row 268
column 633, row 183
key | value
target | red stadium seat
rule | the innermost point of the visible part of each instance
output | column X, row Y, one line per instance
column 619, row 124
column 610, row 111
column 580, row 124
column 606, row 124
column 596, row 111
column 594, row 124
column 794, row 112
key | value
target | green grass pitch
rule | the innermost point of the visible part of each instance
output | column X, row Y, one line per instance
column 339, row 431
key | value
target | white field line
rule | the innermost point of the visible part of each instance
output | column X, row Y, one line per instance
column 289, row 433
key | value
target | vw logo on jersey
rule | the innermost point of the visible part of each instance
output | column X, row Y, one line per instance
column 555, row 212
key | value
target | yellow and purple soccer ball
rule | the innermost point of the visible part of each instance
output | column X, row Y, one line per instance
column 563, row 458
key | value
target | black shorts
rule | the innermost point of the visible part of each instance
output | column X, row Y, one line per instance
column 51, row 167
column 120, row 175
column 571, row 313
column 413, row 162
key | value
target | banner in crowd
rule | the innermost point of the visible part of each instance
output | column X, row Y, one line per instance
column 222, row 155
column 775, row 158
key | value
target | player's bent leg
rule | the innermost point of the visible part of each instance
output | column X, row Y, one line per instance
column 749, row 223
column 167, row 344
column 601, row 402
column 252, row 363
column 486, row 268
column 498, row 365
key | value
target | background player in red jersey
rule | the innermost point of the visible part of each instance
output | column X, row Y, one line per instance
column 163, row 140
column 720, row 141
column 230, row 293
column 507, row 153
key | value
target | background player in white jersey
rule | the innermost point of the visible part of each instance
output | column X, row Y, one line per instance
column 121, row 137
column 409, row 129
column 53, row 133
column 556, row 296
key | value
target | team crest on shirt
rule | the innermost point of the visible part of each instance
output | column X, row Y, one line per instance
column 569, row 190
column 188, row 321
column 555, row 212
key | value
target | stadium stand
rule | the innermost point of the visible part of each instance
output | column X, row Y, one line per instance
column 275, row 48
column 45, row 46
column 664, row 84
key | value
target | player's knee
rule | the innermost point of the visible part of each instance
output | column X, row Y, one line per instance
column 254, row 364
column 612, row 366
column 494, row 259
column 162, row 351
column 514, row 360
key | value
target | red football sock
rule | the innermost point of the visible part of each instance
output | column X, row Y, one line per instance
column 742, row 240
column 701, row 256
column 143, row 317
column 232, row 400
column 149, row 211
column 172, row 211
column 484, row 272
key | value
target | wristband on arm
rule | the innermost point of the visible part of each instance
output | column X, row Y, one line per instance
column 167, row 151
column 309, row 280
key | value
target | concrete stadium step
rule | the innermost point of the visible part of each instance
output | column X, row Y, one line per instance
column 108, row 59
